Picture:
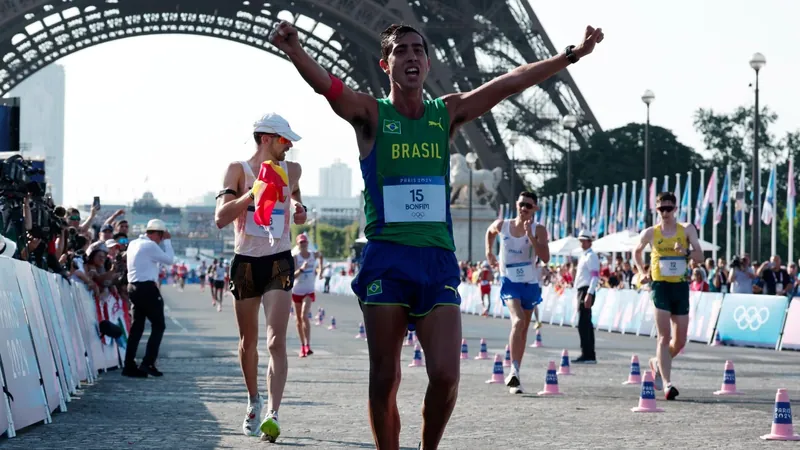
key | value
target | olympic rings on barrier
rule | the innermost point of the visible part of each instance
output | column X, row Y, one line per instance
column 418, row 215
column 750, row 317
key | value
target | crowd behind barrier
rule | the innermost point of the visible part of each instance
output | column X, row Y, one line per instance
column 50, row 342
column 763, row 321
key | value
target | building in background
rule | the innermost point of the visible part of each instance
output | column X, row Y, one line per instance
column 334, row 181
column 42, row 99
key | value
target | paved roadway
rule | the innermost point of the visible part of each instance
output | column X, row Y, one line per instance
column 200, row 402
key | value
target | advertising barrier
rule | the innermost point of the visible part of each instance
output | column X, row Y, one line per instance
column 49, row 344
column 748, row 320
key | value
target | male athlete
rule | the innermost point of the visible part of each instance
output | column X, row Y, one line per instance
column 408, row 267
column 262, row 270
column 305, row 263
column 485, row 279
column 670, row 244
column 522, row 243
column 201, row 274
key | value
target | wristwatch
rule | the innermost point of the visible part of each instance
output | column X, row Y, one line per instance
column 571, row 56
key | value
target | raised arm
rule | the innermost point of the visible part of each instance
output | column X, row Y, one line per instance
column 354, row 107
column 467, row 106
column 644, row 239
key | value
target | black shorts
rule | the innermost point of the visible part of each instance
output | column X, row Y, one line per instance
column 219, row 284
column 251, row 276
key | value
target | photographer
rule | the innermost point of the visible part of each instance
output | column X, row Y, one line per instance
column 741, row 275
column 776, row 280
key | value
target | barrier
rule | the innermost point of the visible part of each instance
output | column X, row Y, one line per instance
column 627, row 311
column 49, row 344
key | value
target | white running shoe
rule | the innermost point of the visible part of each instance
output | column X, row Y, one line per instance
column 253, row 417
column 512, row 380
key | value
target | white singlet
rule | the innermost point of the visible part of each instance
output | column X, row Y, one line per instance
column 220, row 273
column 254, row 240
column 516, row 261
column 304, row 283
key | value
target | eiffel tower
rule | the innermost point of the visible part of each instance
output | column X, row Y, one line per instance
column 473, row 41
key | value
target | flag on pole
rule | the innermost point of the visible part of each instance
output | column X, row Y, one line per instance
column 665, row 186
column 632, row 209
column 587, row 212
column 723, row 200
column 685, row 213
column 768, row 211
column 595, row 216
column 698, row 204
column 642, row 208
column 709, row 197
column 601, row 226
column 621, row 210
column 790, row 192
column 653, row 196
column 739, row 207
column 612, row 215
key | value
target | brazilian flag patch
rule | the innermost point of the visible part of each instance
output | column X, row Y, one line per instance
column 374, row 288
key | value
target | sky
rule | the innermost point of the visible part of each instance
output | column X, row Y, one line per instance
column 168, row 113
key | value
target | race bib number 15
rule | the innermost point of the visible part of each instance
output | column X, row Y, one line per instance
column 414, row 199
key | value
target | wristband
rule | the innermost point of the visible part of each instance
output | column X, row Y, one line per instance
column 336, row 89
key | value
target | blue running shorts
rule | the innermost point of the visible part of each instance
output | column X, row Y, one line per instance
column 529, row 294
column 417, row 278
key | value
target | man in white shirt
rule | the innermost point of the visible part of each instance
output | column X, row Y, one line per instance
column 587, row 280
column 144, row 256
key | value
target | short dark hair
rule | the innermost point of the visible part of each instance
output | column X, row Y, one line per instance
column 394, row 32
column 530, row 195
column 666, row 197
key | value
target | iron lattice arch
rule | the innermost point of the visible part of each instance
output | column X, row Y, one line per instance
column 472, row 41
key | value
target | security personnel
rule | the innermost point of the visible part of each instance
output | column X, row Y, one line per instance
column 587, row 279
column 144, row 256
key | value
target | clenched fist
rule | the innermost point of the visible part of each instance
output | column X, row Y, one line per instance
column 284, row 36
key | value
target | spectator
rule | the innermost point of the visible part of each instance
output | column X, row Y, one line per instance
column 741, row 275
column 776, row 280
column 698, row 284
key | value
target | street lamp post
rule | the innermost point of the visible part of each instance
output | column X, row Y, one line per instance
column 513, row 142
column 471, row 158
column 757, row 62
column 314, row 227
column 647, row 98
column 569, row 122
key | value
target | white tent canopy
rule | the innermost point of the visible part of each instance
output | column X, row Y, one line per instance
column 564, row 246
column 626, row 241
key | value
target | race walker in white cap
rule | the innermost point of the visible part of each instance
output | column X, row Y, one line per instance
column 523, row 243
column 262, row 270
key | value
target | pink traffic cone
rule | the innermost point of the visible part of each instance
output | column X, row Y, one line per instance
column 464, row 349
column 647, row 399
column 550, row 381
column 417, row 361
column 333, row 323
column 507, row 359
column 782, row 428
column 635, row 377
column 728, row 381
column 319, row 318
column 538, row 342
column 409, row 340
column 361, row 333
column 717, row 341
column 497, row 371
column 564, row 369
column 482, row 354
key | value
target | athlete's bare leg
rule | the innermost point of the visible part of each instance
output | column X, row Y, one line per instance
column 680, row 328
column 440, row 337
column 306, row 320
column 663, row 354
column 385, row 326
column 246, row 312
column 299, row 323
column 276, row 310
column 518, row 337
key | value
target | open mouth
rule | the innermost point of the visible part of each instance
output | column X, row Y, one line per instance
column 412, row 71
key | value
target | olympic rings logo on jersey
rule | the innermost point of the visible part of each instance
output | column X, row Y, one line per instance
column 418, row 215
column 750, row 317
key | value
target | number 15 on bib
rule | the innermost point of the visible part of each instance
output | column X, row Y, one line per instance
column 414, row 199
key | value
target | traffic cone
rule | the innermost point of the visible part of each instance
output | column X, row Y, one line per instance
column 417, row 361
column 728, row 381
column 564, row 369
column 464, row 349
column 635, row 377
column 717, row 342
column 507, row 359
column 497, row 372
column 550, row 381
column 482, row 353
column 333, row 323
column 782, row 428
column 647, row 399
column 319, row 317
column 361, row 333
column 409, row 340
column 538, row 342
column 291, row 310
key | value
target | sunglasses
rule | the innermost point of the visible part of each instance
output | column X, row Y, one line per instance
column 281, row 140
column 526, row 205
column 75, row 218
column 666, row 208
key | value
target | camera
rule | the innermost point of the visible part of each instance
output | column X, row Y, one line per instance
column 736, row 263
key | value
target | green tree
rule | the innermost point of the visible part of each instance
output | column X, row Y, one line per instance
column 783, row 235
column 332, row 241
column 617, row 155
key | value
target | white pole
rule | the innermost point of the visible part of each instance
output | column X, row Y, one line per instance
column 632, row 205
column 728, row 224
column 774, row 245
column 678, row 195
column 714, row 216
column 791, row 215
column 622, row 200
column 744, row 216
column 699, row 207
column 689, row 198
column 610, row 202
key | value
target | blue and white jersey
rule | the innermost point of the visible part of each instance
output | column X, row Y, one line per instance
column 517, row 262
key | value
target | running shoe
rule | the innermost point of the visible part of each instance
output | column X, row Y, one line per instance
column 250, row 425
column 512, row 380
column 658, row 382
column 303, row 353
column 538, row 324
column 516, row 390
column 270, row 428
column 671, row 393
column 309, row 352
